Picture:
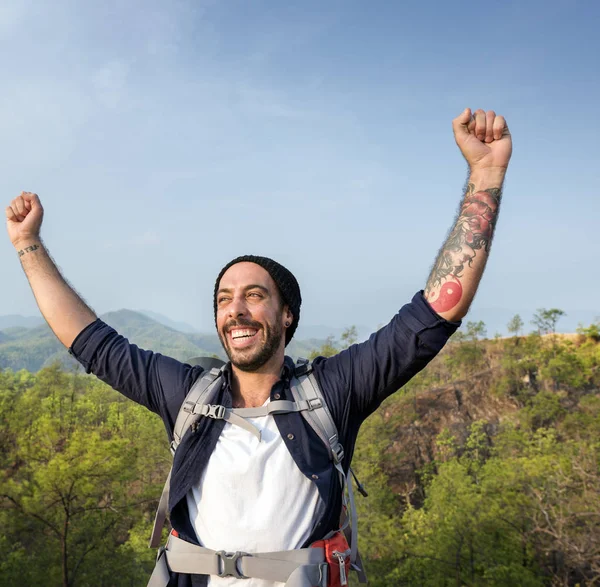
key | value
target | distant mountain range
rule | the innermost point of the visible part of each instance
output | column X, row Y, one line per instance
column 174, row 324
column 15, row 320
column 26, row 342
column 31, row 348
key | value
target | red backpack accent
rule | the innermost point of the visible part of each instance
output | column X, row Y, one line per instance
column 337, row 555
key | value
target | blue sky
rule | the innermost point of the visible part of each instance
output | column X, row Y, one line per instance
column 167, row 137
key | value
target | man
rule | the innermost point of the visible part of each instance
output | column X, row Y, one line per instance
column 230, row 490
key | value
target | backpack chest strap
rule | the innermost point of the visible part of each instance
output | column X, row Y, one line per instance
column 237, row 416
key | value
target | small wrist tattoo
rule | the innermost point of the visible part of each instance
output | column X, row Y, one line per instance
column 29, row 249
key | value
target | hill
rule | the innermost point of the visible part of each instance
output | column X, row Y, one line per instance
column 35, row 348
column 484, row 470
column 16, row 320
column 166, row 321
column 488, row 463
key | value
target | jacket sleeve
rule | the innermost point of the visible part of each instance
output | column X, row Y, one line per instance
column 367, row 373
column 157, row 382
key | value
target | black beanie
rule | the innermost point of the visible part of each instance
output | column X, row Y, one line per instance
column 286, row 283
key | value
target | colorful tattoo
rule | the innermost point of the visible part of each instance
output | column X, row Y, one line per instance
column 472, row 232
column 28, row 250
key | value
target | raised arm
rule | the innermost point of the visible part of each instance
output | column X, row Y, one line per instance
column 66, row 313
column 486, row 144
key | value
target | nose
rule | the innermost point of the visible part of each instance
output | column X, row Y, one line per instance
column 237, row 307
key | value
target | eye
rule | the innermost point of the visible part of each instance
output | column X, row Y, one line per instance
column 222, row 299
column 255, row 294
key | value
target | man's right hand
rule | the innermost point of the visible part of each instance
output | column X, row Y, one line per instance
column 24, row 219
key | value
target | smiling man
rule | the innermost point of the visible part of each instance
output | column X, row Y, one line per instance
column 250, row 314
column 236, row 491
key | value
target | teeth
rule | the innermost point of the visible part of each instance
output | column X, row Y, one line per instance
column 242, row 333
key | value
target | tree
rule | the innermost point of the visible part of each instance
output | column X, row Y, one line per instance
column 515, row 326
column 476, row 330
column 545, row 320
column 349, row 337
column 591, row 332
column 68, row 491
column 468, row 355
column 328, row 349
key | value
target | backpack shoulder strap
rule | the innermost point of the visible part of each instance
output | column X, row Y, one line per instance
column 304, row 387
column 200, row 392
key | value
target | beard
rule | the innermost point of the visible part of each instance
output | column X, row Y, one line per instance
column 250, row 360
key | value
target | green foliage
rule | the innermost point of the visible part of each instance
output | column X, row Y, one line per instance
column 332, row 347
column 349, row 337
column 328, row 349
column 516, row 325
column 475, row 331
column 592, row 331
column 543, row 410
column 500, row 488
column 469, row 355
column 493, row 504
column 563, row 367
column 77, row 479
column 545, row 320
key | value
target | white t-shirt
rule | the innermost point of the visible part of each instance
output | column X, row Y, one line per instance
column 252, row 497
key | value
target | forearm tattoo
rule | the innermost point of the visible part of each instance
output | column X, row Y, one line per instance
column 29, row 249
column 472, row 232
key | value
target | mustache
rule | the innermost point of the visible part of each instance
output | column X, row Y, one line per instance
column 241, row 323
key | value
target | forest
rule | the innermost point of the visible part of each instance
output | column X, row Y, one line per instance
column 484, row 470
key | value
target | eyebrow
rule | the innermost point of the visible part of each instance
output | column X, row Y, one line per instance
column 248, row 287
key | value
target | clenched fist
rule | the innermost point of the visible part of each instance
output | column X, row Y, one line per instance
column 24, row 218
column 483, row 139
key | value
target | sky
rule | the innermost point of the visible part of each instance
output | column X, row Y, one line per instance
column 165, row 138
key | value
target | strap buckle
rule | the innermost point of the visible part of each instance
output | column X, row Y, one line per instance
column 215, row 411
column 173, row 447
column 303, row 367
column 188, row 406
column 314, row 403
column 338, row 452
column 228, row 563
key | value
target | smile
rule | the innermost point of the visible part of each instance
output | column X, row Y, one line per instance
column 242, row 333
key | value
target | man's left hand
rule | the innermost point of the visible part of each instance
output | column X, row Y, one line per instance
column 483, row 139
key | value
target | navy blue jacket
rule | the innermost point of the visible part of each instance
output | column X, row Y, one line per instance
column 353, row 382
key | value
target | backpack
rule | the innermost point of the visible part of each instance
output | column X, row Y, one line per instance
column 340, row 548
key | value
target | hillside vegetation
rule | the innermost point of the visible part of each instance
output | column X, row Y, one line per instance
column 483, row 471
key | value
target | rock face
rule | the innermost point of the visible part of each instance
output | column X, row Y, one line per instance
column 417, row 420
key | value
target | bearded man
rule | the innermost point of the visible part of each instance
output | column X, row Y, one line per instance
column 231, row 491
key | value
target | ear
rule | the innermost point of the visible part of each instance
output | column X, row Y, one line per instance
column 288, row 317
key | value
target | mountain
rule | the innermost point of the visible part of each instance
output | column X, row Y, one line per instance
column 150, row 334
column 321, row 331
column 34, row 348
column 16, row 320
column 166, row 321
column 30, row 349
